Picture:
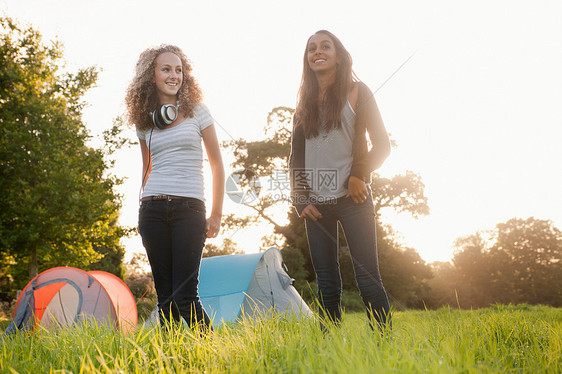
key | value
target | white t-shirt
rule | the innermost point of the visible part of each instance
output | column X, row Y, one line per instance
column 177, row 157
column 328, row 158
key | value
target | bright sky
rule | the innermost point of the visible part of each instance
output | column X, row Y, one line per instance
column 476, row 111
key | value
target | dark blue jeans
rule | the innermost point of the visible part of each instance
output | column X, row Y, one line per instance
column 173, row 233
column 358, row 223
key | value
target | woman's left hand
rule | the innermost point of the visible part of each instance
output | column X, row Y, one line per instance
column 357, row 190
column 213, row 226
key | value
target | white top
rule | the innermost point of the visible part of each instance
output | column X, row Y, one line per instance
column 177, row 157
column 328, row 158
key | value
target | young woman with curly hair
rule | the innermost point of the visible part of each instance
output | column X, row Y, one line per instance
column 164, row 103
column 330, row 167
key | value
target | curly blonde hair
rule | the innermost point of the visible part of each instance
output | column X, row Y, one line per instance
column 141, row 98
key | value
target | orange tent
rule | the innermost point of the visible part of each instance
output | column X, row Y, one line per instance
column 65, row 296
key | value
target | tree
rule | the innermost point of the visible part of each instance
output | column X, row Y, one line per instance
column 265, row 158
column 228, row 248
column 406, row 272
column 472, row 261
column 140, row 282
column 441, row 290
column 528, row 255
column 520, row 261
column 403, row 193
column 59, row 206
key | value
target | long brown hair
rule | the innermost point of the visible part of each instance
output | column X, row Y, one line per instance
column 142, row 99
column 308, row 109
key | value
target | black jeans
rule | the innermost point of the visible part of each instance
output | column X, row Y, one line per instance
column 358, row 223
column 173, row 233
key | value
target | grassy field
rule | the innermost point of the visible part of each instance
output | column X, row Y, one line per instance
column 499, row 339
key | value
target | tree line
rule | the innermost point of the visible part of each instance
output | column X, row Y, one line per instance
column 59, row 205
column 519, row 261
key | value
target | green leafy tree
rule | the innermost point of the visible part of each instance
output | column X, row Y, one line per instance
column 265, row 158
column 406, row 273
column 59, row 206
column 520, row 261
column 228, row 248
column 441, row 292
column 140, row 282
column 474, row 283
column 527, row 254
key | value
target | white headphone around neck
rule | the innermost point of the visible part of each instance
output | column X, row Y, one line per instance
column 165, row 115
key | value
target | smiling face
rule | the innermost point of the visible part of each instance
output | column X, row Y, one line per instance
column 321, row 54
column 168, row 77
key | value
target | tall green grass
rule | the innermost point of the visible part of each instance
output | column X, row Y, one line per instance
column 499, row 339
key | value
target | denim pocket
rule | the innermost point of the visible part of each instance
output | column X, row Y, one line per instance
column 194, row 205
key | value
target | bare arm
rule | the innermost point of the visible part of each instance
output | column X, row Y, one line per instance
column 211, row 142
column 146, row 162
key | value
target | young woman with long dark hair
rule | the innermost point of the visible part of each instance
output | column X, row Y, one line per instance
column 164, row 102
column 330, row 167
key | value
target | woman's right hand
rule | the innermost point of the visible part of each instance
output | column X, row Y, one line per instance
column 213, row 226
column 310, row 212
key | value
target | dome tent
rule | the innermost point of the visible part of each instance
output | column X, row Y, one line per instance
column 64, row 296
column 246, row 285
